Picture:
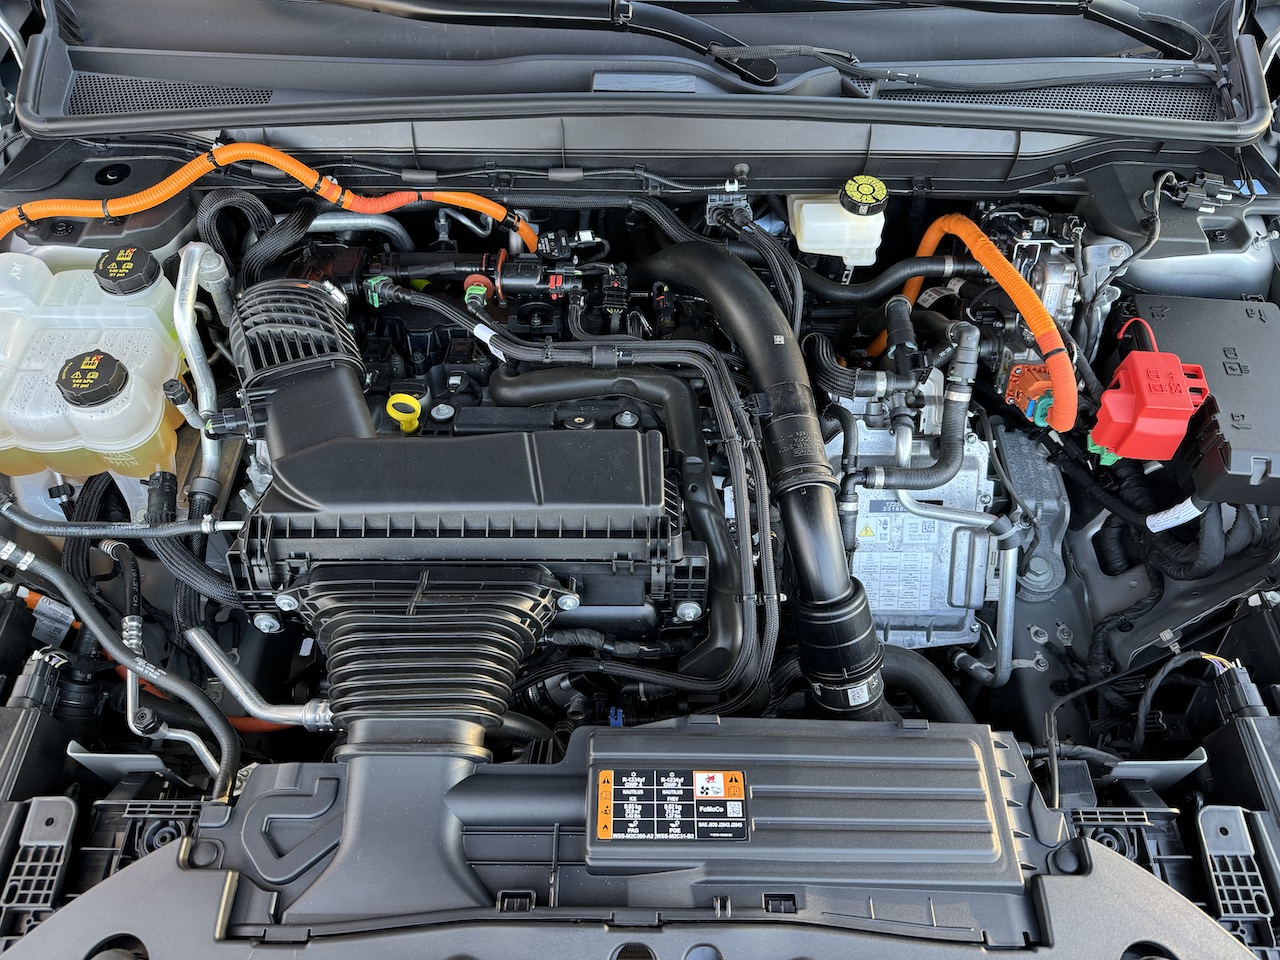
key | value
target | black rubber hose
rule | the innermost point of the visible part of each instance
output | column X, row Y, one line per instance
column 188, row 569
column 98, row 530
column 223, row 200
column 891, row 281
column 839, row 648
column 925, row 684
column 130, row 574
column 679, row 406
column 955, row 416
column 1073, row 751
column 900, row 333
column 167, row 683
column 521, row 729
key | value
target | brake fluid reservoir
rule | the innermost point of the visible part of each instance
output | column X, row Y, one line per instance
column 848, row 224
column 84, row 355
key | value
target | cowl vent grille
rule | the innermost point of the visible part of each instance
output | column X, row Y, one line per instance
column 98, row 93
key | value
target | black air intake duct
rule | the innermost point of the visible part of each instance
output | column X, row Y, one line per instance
column 408, row 649
column 840, row 654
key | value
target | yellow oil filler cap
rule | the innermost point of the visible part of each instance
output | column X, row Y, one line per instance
column 404, row 410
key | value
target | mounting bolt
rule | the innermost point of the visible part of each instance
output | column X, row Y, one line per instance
column 627, row 418
column 975, row 627
column 442, row 412
column 688, row 610
column 570, row 601
column 266, row 623
column 287, row 602
column 985, row 499
column 1038, row 634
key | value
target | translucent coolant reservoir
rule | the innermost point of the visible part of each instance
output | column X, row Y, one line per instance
column 84, row 355
column 847, row 224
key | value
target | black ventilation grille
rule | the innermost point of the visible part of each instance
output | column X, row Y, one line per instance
column 98, row 93
column 1173, row 101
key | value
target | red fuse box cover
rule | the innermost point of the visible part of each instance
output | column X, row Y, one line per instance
column 1145, row 411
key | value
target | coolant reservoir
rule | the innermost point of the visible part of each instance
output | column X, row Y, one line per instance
column 84, row 355
column 848, row 224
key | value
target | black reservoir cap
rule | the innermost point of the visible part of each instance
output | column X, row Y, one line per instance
column 92, row 378
column 125, row 270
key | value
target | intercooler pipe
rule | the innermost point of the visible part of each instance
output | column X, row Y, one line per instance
column 191, row 266
column 840, row 653
column 313, row 715
column 924, row 683
column 679, row 405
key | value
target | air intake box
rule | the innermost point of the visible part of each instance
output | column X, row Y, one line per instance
column 594, row 507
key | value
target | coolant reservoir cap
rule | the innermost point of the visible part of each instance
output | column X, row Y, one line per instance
column 125, row 270
column 92, row 378
column 864, row 195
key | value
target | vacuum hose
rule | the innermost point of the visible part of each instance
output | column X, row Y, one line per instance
column 840, row 654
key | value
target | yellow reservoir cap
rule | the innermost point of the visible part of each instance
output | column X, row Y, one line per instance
column 864, row 195
column 404, row 410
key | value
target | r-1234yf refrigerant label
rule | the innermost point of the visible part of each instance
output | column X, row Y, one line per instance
column 671, row 805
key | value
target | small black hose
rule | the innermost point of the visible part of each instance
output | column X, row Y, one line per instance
column 521, row 729
column 1074, row 751
column 900, row 335
column 174, row 686
column 891, row 281
column 98, row 530
column 130, row 574
column 925, row 684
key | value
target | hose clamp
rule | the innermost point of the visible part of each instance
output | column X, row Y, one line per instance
column 131, row 633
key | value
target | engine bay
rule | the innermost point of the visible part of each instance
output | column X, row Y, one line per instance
column 854, row 558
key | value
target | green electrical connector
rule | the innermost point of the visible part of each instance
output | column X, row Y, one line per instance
column 1105, row 457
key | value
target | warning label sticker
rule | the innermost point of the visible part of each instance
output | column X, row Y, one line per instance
column 671, row 805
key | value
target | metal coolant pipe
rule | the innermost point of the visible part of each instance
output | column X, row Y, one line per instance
column 197, row 258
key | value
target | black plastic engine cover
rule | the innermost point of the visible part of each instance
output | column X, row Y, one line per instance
column 932, row 831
